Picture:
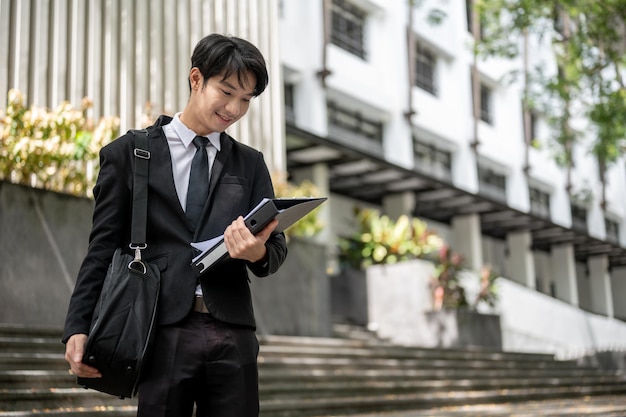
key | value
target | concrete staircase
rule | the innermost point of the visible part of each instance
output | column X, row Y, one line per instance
column 316, row 377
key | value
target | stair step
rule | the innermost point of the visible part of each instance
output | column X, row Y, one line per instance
column 348, row 405
column 345, row 405
column 354, row 332
column 333, row 372
column 310, row 376
column 374, row 351
column 298, row 346
column 30, row 344
column 325, row 361
column 32, row 361
column 26, row 330
column 22, row 378
column 33, row 398
column 340, row 388
column 98, row 411
column 600, row 406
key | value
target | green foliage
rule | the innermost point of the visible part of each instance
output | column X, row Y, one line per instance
column 52, row 149
column 311, row 224
column 588, row 42
column 380, row 240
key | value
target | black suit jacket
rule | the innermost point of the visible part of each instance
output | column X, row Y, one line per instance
column 239, row 180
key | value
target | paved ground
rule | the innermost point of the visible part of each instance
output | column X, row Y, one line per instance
column 600, row 406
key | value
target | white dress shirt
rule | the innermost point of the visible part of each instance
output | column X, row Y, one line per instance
column 179, row 139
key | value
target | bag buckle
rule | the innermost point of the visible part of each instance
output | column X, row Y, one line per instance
column 137, row 264
column 142, row 153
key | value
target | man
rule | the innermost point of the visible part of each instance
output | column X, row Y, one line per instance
column 205, row 350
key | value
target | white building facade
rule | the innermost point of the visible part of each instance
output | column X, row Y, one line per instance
column 379, row 113
column 375, row 105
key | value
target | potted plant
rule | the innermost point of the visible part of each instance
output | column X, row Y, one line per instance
column 411, row 286
column 455, row 320
column 377, row 240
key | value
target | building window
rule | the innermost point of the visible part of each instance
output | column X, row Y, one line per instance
column 485, row 104
column 491, row 183
column 290, row 114
column 425, row 61
column 348, row 24
column 612, row 230
column 579, row 217
column 432, row 160
column 469, row 9
column 539, row 202
column 354, row 122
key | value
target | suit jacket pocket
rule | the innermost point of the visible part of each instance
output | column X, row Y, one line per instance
column 230, row 200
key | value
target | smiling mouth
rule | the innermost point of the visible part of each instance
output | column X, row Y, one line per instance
column 225, row 119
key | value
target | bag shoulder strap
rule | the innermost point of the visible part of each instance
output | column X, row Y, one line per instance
column 140, row 190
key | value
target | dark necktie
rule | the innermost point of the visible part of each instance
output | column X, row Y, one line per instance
column 198, row 190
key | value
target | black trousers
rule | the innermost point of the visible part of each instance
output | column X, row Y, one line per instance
column 201, row 361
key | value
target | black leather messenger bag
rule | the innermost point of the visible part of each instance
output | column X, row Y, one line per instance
column 122, row 327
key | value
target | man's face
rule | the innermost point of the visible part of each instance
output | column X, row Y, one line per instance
column 218, row 104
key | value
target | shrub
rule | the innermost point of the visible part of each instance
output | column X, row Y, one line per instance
column 52, row 149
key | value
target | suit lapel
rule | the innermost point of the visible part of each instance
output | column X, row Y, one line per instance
column 162, row 173
column 218, row 164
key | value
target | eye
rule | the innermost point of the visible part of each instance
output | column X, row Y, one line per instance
column 226, row 93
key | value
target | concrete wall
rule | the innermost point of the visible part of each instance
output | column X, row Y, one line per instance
column 532, row 321
column 44, row 237
column 399, row 299
column 296, row 300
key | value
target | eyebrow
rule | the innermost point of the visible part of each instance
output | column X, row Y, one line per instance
column 232, row 87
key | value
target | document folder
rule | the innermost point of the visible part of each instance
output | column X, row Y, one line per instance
column 286, row 210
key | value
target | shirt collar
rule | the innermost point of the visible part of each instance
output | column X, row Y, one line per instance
column 186, row 135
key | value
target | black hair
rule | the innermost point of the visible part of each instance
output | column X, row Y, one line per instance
column 217, row 54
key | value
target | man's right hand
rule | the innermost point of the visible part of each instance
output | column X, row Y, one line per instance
column 74, row 349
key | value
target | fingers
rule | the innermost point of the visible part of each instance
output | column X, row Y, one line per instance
column 242, row 244
column 74, row 350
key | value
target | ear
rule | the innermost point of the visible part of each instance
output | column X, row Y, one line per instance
column 195, row 79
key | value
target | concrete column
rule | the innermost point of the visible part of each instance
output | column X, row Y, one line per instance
column 601, row 294
column 618, row 286
column 520, row 260
column 396, row 205
column 466, row 232
column 564, row 273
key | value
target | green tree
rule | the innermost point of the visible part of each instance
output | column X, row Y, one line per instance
column 588, row 39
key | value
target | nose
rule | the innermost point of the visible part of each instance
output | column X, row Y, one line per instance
column 233, row 107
